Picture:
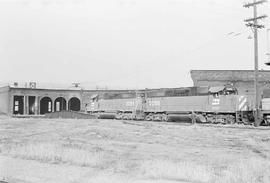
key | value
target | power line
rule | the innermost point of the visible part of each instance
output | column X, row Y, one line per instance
column 225, row 37
column 268, row 46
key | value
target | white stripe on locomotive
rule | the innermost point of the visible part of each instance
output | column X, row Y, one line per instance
column 242, row 103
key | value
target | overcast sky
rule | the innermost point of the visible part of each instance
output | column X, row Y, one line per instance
column 124, row 43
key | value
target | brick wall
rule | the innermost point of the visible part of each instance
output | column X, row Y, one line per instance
column 4, row 100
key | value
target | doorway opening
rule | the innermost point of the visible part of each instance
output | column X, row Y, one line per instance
column 31, row 104
column 74, row 104
column 45, row 105
column 18, row 104
column 60, row 104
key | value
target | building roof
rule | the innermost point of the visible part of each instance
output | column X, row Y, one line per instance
column 58, row 86
column 54, row 87
column 228, row 75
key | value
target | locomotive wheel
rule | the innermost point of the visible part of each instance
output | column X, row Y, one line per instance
column 149, row 118
column 157, row 117
column 231, row 119
column 119, row 116
column 125, row 117
column 165, row 117
column 265, row 122
column 246, row 121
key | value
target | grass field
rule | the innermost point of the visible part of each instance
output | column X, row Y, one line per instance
column 103, row 151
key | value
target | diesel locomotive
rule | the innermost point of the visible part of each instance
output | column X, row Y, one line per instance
column 204, row 104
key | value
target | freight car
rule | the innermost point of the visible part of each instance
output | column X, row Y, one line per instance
column 211, row 105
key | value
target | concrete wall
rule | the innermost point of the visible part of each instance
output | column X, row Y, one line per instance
column 4, row 100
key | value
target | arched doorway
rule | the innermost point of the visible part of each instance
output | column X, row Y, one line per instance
column 74, row 104
column 60, row 104
column 45, row 105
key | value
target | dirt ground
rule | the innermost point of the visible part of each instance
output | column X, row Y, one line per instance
column 94, row 151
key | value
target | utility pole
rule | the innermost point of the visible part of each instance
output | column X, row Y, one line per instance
column 253, row 23
column 268, row 46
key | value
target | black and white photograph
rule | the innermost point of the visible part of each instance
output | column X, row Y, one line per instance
column 134, row 91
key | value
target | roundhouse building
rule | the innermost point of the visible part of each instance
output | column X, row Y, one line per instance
column 30, row 100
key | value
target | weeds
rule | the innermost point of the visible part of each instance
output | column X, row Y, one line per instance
column 177, row 171
column 225, row 155
column 249, row 171
column 53, row 153
column 252, row 171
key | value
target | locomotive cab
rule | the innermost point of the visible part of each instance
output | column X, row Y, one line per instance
column 223, row 90
column 225, row 105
